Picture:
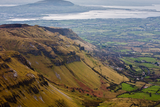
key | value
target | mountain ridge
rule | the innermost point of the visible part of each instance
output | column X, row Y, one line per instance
column 37, row 41
column 63, row 62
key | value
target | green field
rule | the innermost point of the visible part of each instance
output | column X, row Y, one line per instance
column 140, row 95
column 152, row 89
column 141, row 64
column 148, row 59
column 150, row 93
column 128, row 87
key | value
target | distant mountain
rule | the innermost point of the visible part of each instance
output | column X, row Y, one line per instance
column 41, row 8
column 53, row 2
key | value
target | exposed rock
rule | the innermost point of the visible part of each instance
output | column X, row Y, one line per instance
column 6, row 59
column 6, row 104
column 66, row 59
column 81, row 48
column 34, row 89
column 72, row 59
column 40, row 97
column 34, row 52
column 35, row 97
column 64, row 31
column 42, row 80
column 58, row 76
column 3, row 66
column 23, row 60
column 30, row 75
column 45, row 52
column 57, row 62
column 11, row 99
column 15, row 74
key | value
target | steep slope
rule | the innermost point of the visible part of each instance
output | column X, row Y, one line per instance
column 61, row 60
column 21, row 86
column 72, row 35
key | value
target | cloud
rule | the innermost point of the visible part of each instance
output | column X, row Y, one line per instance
column 135, row 12
column 17, row 1
column 117, row 2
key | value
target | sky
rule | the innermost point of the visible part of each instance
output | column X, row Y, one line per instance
column 87, row 2
column 17, row 1
column 116, row 1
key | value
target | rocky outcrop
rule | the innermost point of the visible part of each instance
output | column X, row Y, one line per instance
column 3, row 66
column 49, row 54
column 66, row 60
column 65, row 32
column 72, row 59
column 22, row 60
column 53, row 43
column 57, row 62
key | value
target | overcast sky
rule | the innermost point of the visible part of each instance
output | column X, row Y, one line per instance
column 17, row 1
column 87, row 1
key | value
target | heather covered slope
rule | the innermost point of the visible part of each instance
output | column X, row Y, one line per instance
column 21, row 86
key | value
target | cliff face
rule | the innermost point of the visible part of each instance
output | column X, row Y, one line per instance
column 72, row 35
column 64, row 31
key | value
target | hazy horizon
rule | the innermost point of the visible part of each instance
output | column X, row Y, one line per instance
column 92, row 2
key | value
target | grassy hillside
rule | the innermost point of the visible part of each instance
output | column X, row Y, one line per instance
column 48, row 48
column 21, row 86
column 62, row 61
